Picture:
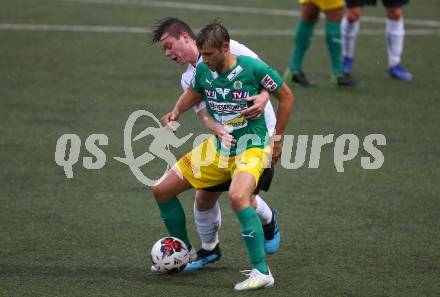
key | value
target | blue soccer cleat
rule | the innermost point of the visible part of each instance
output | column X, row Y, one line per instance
column 347, row 64
column 204, row 257
column 400, row 73
column 272, row 236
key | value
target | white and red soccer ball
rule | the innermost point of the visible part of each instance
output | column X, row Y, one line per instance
column 169, row 255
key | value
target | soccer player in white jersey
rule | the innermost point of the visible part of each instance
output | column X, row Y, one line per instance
column 177, row 41
column 225, row 81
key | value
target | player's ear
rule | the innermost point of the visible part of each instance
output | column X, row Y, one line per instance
column 185, row 37
column 225, row 46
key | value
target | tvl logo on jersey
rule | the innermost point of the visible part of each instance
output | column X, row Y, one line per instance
column 211, row 94
column 240, row 95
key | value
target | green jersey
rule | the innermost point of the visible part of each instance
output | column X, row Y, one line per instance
column 226, row 95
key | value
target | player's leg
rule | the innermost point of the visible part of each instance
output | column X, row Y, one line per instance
column 171, row 210
column 303, row 35
column 188, row 172
column 242, row 186
column 207, row 216
column 269, row 220
column 349, row 30
column 246, row 175
column 334, row 10
column 395, row 35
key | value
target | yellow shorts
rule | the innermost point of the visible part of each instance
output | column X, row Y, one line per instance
column 325, row 4
column 204, row 167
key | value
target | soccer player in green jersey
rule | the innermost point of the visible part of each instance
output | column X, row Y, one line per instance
column 224, row 81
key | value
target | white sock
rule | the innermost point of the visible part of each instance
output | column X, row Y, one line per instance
column 395, row 34
column 208, row 223
column 263, row 210
column 349, row 32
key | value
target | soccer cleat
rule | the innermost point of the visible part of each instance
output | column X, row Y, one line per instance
column 347, row 64
column 297, row 77
column 192, row 257
column 272, row 237
column 287, row 75
column 345, row 80
column 400, row 73
column 255, row 280
column 204, row 257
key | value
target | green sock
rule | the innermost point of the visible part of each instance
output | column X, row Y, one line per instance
column 173, row 216
column 303, row 34
column 333, row 38
column 252, row 233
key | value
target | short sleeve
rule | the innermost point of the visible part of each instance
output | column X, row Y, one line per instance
column 267, row 77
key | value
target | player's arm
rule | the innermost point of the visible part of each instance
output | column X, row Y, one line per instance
column 188, row 99
column 226, row 139
column 286, row 102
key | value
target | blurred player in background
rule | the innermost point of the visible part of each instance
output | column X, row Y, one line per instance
column 333, row 10
column 177, row 41
column 395, row 34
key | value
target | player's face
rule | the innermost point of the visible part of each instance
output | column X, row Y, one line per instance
column 176, row 49
column 213, row 57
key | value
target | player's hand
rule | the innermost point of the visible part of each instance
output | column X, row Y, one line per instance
column 168, row 119
column 276, row 151
column 258, row 104
column 223, row 133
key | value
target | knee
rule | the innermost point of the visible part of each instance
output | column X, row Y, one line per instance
column 334, row 15
column 310, row 17
column 394, row 13
column 354, row 14
column 238, row 200
column 203, row 205
column 158, row 192
column 310, row 13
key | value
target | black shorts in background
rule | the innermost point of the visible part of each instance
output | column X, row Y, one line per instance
column 386, row 3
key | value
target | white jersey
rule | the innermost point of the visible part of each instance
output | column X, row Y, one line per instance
column 237, row 49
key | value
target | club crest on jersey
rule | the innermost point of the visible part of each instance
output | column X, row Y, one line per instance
column 240, row 94
column 235, row 72
column 268, row 83
column 211, row 94
column 224, row 92
column 237, row 85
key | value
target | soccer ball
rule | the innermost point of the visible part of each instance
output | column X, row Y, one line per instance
column 169, row 255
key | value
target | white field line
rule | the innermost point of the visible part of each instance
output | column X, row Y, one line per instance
column 142, row 30
column 240, row 9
